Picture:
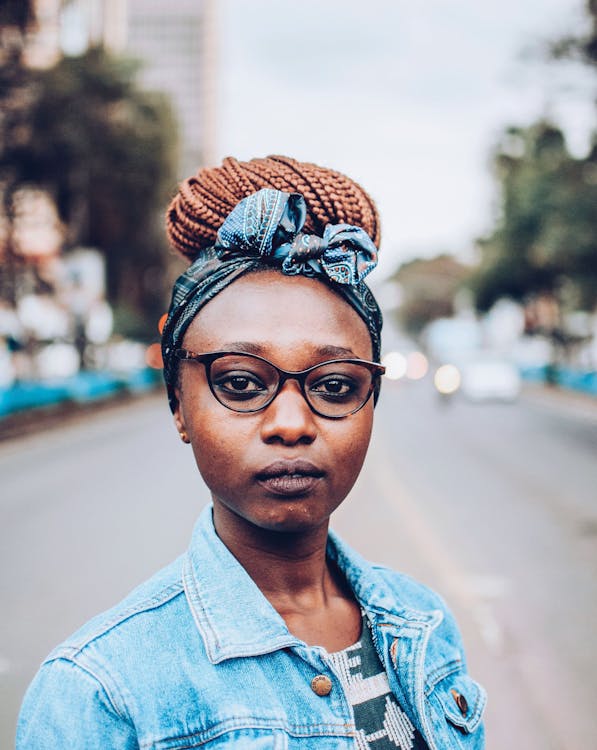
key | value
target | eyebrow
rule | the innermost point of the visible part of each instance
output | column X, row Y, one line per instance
column 250, row 347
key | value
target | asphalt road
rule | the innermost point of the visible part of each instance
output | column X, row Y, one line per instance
column 493, row 505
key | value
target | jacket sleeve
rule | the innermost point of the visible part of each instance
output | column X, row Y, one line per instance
column 67, row 707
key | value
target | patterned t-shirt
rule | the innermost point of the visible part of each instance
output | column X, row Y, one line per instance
column 380, row 722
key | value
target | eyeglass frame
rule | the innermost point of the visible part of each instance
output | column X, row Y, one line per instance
column 207, row 359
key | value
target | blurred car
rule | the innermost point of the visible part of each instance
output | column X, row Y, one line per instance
column 489, row 377
column 452, row 339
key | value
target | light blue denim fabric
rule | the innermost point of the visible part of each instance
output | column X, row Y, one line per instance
column 197, row 657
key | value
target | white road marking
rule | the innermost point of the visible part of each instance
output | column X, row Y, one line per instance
column 4, row 665
column 473, row 592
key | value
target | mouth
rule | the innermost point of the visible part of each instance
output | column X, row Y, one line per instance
column 290, row 477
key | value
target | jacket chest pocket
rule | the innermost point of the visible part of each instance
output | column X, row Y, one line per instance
column 457, row 704
column 254, row 739
column 247, row 738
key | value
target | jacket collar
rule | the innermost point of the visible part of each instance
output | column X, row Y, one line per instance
column 236, row 620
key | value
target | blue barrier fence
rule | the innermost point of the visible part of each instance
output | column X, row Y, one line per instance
column 565, row 377
column 83, row 388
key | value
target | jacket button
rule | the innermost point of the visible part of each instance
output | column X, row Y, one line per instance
column 321, row 685
column 461, row 702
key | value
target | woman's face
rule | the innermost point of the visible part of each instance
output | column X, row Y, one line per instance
column 295, row 323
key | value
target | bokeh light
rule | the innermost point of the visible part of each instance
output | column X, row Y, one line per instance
column 395, row 364
column 417, row 366
column 447, row 379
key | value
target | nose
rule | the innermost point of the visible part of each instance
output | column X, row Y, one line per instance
column 288, row 419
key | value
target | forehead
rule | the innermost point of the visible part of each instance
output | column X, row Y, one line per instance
column 280, row 315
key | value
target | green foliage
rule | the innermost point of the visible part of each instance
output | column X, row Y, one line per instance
column 546, row 234
column 106, row 150
column 429, row 289
column 580, row 47
column 17, row 17
column 545, row 238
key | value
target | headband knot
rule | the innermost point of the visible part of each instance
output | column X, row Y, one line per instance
column 268, row 224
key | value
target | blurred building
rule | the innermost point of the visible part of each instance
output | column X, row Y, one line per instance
column 175, row 43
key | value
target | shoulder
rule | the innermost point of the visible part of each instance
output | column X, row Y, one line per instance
column 410, row 592
column 122, row 646
column 400, row 597
column 380, row 585
column 419, row 599
column 149, row 601
column 85, row 678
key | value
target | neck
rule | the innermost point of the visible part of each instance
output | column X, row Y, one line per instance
column 290, row 568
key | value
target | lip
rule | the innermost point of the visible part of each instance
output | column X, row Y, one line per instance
column 290, row 477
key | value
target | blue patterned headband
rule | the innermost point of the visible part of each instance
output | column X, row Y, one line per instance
column 263, row 230
column 268, row 224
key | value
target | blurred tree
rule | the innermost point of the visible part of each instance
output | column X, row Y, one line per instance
column 106, row 151
column 545, row 239
column 17, row 17
column 428, row 289
column 583, row 46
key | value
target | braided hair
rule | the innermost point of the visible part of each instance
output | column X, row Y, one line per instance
column 205, row 200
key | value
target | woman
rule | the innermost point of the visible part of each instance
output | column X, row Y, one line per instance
column 270, row 632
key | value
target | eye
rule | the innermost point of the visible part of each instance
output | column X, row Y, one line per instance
column 334, row 387
column 239, row 385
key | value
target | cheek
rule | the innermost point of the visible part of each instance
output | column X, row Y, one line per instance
column 218, row 439
column 351, row 449
column 212, row 441
column 200, row 419
column 215, row 458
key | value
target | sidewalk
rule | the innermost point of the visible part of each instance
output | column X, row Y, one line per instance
column 562, row 400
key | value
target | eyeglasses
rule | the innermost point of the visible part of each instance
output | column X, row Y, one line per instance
column 248, row 383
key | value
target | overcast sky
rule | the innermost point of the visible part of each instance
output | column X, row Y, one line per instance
column 407, row 97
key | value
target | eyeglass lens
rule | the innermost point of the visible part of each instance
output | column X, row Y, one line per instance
column 244, row 383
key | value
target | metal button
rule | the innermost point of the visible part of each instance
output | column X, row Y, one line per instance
column 321, row 685
column 461, row 702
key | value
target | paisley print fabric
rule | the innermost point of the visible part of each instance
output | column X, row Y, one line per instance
column 269, row 222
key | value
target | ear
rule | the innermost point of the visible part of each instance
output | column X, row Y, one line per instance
column 179, row 419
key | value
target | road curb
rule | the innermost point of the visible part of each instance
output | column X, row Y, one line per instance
column 31, row 421
column 562, row 400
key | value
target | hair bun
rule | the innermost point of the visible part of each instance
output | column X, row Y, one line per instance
column 204, row 201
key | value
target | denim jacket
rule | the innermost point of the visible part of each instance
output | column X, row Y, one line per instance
column 197, row 657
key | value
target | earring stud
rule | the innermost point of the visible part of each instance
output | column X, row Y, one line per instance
column 184, row 437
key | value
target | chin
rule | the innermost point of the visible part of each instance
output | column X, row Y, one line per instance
column 293, row 516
